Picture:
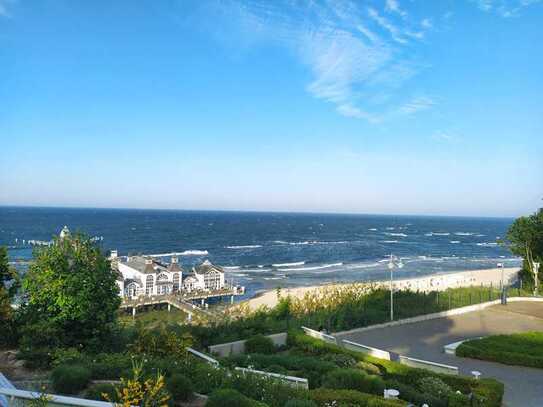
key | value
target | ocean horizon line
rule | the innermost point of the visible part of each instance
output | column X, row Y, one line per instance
column 254, row 211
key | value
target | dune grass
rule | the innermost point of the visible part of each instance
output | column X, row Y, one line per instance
column 523, row 349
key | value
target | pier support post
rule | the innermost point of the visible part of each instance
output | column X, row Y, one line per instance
column 189, row 316
column 169, row 307
column 134, row 312
column 231, row 299
column 203, row 301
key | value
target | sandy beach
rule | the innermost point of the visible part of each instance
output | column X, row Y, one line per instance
column 434, row 282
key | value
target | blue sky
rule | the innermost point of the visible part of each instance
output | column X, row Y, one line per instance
column 404, row 107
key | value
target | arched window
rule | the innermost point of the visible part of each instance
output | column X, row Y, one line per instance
column 131, row 290
column 149, row 283
column 162, row 277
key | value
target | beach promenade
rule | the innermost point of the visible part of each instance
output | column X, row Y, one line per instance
column 434, row 282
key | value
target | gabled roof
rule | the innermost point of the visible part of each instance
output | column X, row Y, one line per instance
column 207, row 267
column 174, row 267
column 144, row 264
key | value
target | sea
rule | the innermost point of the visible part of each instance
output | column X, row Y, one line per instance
column 263, row 251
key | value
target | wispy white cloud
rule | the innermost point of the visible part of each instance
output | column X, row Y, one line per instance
column 444, row 136
column 505, row 8
column 355, row 55
column 416, row 104
column 387, row 25
column 393, row 6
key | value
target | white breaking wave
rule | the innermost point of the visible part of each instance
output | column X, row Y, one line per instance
column 249, row 246
column 313, row 268
column 280, row 242
column 297, row 263
column 437, row 234
column 194, row 253
column 231, row 267
column 396, row 234
column 391, row 228
column 389, row 241
column 455, row 241
column 373, row 229
column 487, row 244
column 464, row 234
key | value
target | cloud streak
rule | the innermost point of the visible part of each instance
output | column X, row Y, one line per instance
column 505, row 8
column 356, row 55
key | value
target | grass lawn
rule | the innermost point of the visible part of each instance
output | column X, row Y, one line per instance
column 524, row 349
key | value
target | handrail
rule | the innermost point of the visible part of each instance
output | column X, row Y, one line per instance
column 290, row 379
column 13, row 394
column 201, row 355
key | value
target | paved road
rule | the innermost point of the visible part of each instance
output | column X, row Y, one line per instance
column 425, row 340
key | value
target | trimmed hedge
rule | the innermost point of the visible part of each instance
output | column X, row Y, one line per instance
column 231, row 398
column 524, row 349
column 259, row 344
column 354, row 379
column 330, row 397
column 487, row 392
column 312, row 369
column 70, row 379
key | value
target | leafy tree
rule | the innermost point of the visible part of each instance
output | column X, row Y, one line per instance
column 525, row 237
column 7, row 275
column 70, row 289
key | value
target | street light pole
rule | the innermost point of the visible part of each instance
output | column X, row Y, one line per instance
column 393, row 263
column 504, row 297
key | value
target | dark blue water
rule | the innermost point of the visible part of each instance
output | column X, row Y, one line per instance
column 266, row 250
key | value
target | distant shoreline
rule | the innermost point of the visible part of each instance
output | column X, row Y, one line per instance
column 433, row 282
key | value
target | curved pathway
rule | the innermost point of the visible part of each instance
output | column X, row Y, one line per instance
column 425, row 340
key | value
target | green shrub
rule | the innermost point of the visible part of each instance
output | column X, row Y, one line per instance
column 36, row 358
column 434, row 385
column 180, row 387
column 368, row 368
column 68, row 356
column 230, row 398
column 259, row 344
column 70, row 379
column 330, row 397
column 96, row 391
column 110, row 366
column 524, row 349
column 207, row 378
column 354, row 379
column 339, row 359
column 270, row 391
column 301, row 366
column 415, row 396
column 300, row 403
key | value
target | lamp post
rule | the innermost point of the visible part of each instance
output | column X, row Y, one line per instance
column 393, row 262
column 504, row 297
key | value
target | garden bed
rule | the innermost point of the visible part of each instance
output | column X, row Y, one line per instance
column 523, row 349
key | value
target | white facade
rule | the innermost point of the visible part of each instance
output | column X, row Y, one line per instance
column 140, row 275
